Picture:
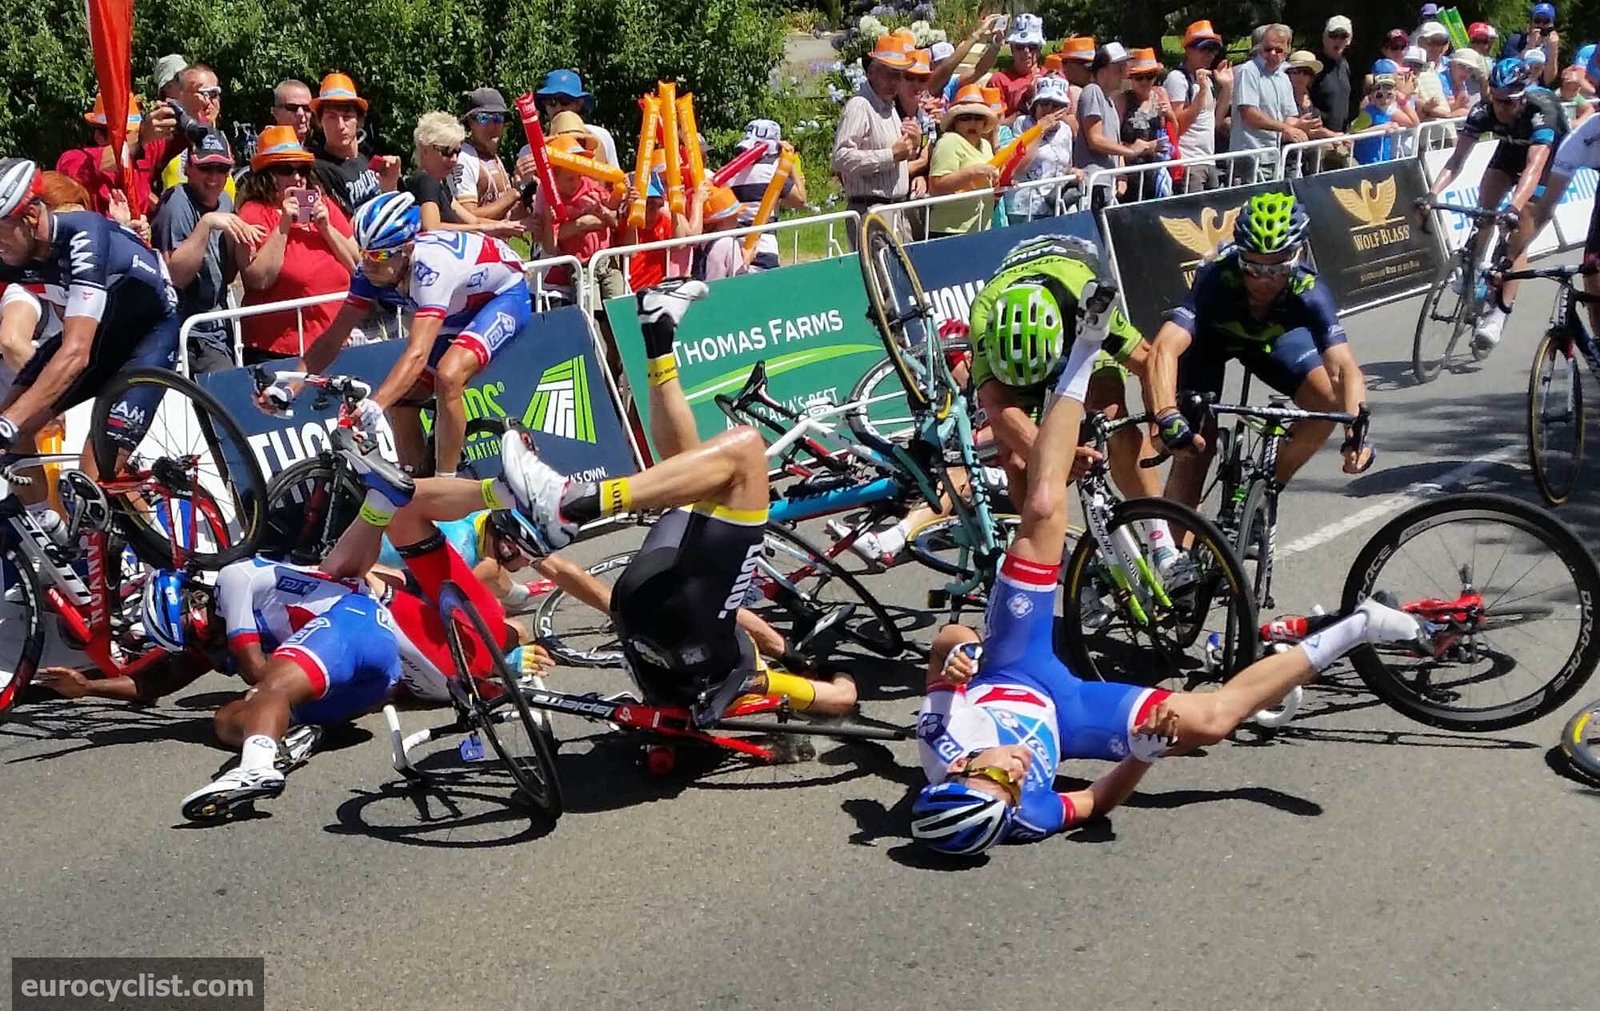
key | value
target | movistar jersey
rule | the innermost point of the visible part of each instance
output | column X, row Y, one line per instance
column 1217, row 309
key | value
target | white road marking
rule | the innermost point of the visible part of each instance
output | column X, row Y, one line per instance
column 1394, row 503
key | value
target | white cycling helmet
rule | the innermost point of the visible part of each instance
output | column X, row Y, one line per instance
column 953, row 817
column 19, row 184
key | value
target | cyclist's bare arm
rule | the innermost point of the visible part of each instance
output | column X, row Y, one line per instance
column 1160, row 379
column 1452, row 167
column 1109, row 791
column 1538, row 156
column 326, row 347
column 250, row 660
column 408, row 368
column 31, row 408
column 1014, row 430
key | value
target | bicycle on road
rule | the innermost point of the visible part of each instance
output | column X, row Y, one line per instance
column 1452, row 306
column 1555, row 386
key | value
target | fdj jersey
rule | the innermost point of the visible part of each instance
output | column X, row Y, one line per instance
column 1281, row 348
column 267, row 602
column 1035, row 260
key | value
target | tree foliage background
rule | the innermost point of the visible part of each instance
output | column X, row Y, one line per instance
column 406, row 56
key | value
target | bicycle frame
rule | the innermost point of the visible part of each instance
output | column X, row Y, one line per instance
column 1135, row 580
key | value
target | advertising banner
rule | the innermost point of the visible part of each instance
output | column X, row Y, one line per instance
column 550, row 380
column 1463, row 190
column 808, row 322
column 1576, row 207
column 1368, row 249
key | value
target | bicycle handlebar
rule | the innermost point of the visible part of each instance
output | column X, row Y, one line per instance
column 1561, row 275
column 1196, row 407
column 348, row 388
column 1478, row 214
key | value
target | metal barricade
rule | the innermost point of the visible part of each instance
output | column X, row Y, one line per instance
column 1409, row 142
column 1231, row 167
column 910, row 218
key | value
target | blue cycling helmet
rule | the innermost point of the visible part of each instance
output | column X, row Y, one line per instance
column 953, row 817
column 386, row 221
column 1509, row 76
column 163, row 610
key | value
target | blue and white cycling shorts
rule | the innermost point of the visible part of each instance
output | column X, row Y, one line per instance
column 351, row 656
column 491, row 331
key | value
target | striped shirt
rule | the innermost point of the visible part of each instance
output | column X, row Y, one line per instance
column 862, row 148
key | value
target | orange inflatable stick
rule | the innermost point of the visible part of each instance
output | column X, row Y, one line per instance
column 769, row 197
column 1030, row 135
column 691, row 140
column 528, row 110
column 668, row 97
column 641, row 168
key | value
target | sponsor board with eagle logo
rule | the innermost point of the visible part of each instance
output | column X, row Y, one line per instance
column 1373, row 206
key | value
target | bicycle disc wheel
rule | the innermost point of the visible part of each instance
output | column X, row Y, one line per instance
column 21, row 625
column 525, row 745
column 1207, row 633
column 1444, row 317
column 1580, row 740
column 1555, row 419
column 1254, row 543
column 1519, row 590
column 796, row 586
column 899, row 308
column 199, row 491
column 309, row 504
column 577, row 634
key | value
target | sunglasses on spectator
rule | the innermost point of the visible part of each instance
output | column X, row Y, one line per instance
column 210, row 94
column 972, row 118
column 383, row 255
column 1143, row 76
column 1032, row 47
column 295, row 107
column 1274, row 271
column 1339, row 35
column 285, row 171
column 489, row 117
column 210, row 169
column 448, row 152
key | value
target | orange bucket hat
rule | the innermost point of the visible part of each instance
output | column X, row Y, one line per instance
column 339, row 89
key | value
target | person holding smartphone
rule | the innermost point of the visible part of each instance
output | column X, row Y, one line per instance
column 1541, row 35
column 1196, row 91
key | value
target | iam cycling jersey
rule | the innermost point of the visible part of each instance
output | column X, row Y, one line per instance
column 1023, row 694
column 473, row 283
column 1040, row 260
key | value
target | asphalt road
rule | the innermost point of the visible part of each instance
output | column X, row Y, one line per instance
column 1356, row 861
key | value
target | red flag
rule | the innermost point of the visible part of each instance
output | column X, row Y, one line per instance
column 111, row 35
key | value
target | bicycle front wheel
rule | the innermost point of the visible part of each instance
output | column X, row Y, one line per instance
column 576, row 633
column 797, row 586
column 1445, row 316
column 900, row 309
column 192, row 489
column 1114, row 625
column 1254, row 542
column 309, row 504
column 525, row 745
column 21, row 625
column 1514, row 592
column 1580, row 741
column 1555, row 419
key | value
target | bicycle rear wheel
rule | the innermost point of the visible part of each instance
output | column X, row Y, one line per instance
column 1530, row 645
column 309, row 505
column 1208, row 633
column 797, row 586
column 21, row 625
column 577, row 634
column 948, row 546
column 201, row 496
column 525, row 745
column 1555, row 419
column 1254, row 542
column 1445, row 316
column 900, row 309
column 881, row 409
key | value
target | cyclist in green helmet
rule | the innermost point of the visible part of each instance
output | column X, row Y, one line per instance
column 1256, row 302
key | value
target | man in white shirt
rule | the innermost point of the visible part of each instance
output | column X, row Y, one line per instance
column 1264, row 110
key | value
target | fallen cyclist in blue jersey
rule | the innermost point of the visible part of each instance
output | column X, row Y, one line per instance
column 1002, row 711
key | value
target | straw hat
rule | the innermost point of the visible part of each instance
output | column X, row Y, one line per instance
column 570, row 124
column 921, row 65
column 970, row 101
column 1302, row 59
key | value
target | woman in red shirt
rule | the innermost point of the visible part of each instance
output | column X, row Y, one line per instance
column 307, row 249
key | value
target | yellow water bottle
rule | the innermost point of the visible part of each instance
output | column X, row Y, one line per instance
column 51, row 439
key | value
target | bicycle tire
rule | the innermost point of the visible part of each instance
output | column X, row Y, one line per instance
column 237, row 479
column 885, row 420
column 1429, row 704
column 1219, row 570
column 1423, row 366
column 1580, row 741
column 575, row 633
column 309, row 505
column 1552, row 356
column 884, row 269
column 535, row 774
column 26, row 615
column 784, row 587
column 1259, row 536
column 931, row 543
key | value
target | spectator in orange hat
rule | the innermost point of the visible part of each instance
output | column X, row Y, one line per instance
column 354, row 174
column 725, row 256
column 961, row 162
column 1199, row 89
column 873, row 142
column 914, row 102
column 95, row 167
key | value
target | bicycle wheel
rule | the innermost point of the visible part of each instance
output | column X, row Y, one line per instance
column 21, row 625
column 900, row 309
column 1445, row 316
column 947, row 545
column 796, row 586
column 195, row 489
column 309, row 505
column 1555, row 419
column 1253, row 542
column 1580, row 740
column 577, row 634
column 1208, row 633
column 1521, row 590
column 525, row 745
column 881, row 409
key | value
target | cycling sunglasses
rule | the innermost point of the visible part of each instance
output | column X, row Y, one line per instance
column 383, row 255
column 995, row 774
column 489, row 117
column 1275, row 271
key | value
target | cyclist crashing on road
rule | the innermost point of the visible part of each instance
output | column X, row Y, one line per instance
column 1529, row 123
column 470, row 300
column 1002, row 711
column 1258, row 303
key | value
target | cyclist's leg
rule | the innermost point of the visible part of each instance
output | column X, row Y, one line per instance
column 1529, row 224
column 821, row 696
column 1294, row 368
column 495, row 326
column 410, row 441
column 1497, row 181
column 1201, row 369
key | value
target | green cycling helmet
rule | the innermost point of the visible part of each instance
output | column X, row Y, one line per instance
column 1270, row 223
column 1025, row 333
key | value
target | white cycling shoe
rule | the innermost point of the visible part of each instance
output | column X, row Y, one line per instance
column 1390, row 624
column 537, row 487
column 233, row 789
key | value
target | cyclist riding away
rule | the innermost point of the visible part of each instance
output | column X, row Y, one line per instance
column 1580, row 149
column 1002, row 711
column 121, row 310
column 470, row 300
column 1051, row 303
column 1529, row 123
column 1258, row 303
column 676, row 605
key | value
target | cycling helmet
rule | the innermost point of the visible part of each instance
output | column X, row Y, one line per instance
column 1026, row 333
column 1270, row 223
column 1509, row 76
column 1070, row 246
column 20, row 182
column 163, row 610
column 387, row 220
column 953, row 817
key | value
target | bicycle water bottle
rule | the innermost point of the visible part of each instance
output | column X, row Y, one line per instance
column 50, row 524
column 1294, row 628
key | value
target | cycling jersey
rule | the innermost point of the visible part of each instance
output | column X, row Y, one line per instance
column 1580, row 149
column 1023, row 694
column 1540, row 121
column 1038, row 259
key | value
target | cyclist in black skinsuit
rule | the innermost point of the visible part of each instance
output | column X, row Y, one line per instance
column 1529, row 123
column 121, row 309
